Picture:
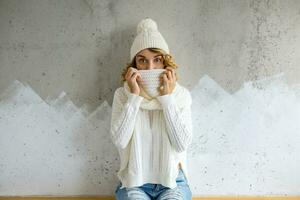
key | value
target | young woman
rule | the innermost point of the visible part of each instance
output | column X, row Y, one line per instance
column 151, row 133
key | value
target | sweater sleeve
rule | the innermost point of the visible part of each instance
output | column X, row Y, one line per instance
column 178, row 120
column 124, row 111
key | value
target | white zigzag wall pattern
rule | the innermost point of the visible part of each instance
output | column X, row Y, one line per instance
column 247, row 142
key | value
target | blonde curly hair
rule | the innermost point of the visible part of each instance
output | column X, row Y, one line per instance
column 168, row 61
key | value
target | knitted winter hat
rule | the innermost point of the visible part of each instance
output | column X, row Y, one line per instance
column 147, row 36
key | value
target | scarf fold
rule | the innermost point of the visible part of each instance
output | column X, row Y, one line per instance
column 150, row 103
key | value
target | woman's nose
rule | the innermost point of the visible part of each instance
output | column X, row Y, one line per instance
column 150, row 65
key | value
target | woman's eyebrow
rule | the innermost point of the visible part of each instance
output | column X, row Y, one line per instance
column 145, row 57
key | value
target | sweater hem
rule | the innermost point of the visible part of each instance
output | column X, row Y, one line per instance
column 133, row 180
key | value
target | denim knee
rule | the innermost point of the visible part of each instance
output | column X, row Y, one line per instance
column 133, row 193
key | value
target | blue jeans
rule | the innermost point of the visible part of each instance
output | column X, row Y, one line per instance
column 151, row 191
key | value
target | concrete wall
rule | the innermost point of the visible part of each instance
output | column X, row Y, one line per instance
column 60, row 62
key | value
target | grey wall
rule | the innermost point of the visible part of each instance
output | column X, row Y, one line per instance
column 81, row 47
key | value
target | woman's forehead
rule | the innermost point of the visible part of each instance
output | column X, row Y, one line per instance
column 144, row 56
column 146, row 52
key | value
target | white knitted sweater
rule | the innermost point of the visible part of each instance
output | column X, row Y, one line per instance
column 151, row 135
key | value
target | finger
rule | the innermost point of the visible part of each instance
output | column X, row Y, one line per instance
column 134, row 75
column 164, row 83
column 161, row 76
column 134, row 71
column 167, row 69
column 165, row 79
column 170, row 68
column 161, row 79
column 139, row 78
column 169, row 74
column 129, row 73
column 172, row 72
column 135, row 78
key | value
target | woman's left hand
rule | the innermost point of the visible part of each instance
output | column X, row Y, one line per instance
column 168, row 80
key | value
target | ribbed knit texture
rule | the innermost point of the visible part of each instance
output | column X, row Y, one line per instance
column 148, row 36
column 151, row 139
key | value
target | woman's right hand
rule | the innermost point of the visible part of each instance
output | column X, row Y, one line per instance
column 133, row 78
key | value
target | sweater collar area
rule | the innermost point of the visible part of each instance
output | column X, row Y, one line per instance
column 150, row 103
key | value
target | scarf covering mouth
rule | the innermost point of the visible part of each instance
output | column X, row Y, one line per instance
column 179, row 94
column 151, row 82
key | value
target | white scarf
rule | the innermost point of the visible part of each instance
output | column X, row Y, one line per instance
column 150, row 103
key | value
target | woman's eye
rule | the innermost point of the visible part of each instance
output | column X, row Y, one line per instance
column 157, row 60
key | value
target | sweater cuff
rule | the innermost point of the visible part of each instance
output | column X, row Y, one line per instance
column 135, row 100
column 166, row 100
